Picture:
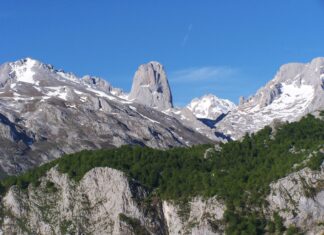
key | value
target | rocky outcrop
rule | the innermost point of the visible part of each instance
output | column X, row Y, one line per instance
column 102, row 85
column 296, row 90
column 187, row 118
column 151, row 87
column 299, row 199
column 99, row 83
column 105, row 201
column 198, row 217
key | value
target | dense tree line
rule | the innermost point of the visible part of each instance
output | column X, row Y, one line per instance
column 239, row 173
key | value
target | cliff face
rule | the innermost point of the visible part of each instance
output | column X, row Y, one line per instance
column 105, row 201
column 299, row 200
column 151, row 87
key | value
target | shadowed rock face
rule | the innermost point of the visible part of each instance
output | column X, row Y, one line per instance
column 151, row 88
column 45, row 113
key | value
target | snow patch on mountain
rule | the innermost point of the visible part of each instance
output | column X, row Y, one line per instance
column 292, row 95
column 68, row 76
column 297, row 89
column 24, row 72
column 57, row 92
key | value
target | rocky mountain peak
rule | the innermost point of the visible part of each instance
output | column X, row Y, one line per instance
column 295, row 90
column 151, row 87
column 292, row 78
column 29, row 64
column 210, row 107
column 97, row 82
column 26, row 61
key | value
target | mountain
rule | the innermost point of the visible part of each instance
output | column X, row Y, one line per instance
column 210, row 107
column 151, row 87
column 297, row 89
column 267, row 183
column 270, row 182
column 46, row 113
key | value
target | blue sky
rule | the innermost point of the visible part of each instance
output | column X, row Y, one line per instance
column 225, row 47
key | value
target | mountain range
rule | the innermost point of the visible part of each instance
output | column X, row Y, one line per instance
column 252, row 168
column 46, row 112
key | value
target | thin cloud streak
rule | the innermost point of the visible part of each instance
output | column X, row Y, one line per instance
column 207, row 73
column 186, row 37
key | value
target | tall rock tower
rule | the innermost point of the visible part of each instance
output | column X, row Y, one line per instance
column 151, row 87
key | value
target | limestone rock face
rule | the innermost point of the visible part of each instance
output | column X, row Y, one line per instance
column 205, row 215
column 105, row 201
column 151, row 87
column 296, row 90
column 99, row 83
column 299, row 199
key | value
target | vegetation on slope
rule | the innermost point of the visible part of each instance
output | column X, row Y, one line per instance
column 240, row 173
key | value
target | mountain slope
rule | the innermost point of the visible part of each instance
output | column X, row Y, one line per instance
column 46, row 113
column 270, row 182
column 296, row 90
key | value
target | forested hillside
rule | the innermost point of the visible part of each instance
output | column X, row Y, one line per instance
column 238, row 172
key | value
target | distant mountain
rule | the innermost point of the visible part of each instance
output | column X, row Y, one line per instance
column 210, row 107
column 297, row 89
column 45, row 113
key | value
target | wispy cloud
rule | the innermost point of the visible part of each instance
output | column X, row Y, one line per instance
column 207, row 73
column 186, row 37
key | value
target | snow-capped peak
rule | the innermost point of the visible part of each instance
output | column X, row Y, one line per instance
column 297, row 89
column 210, row 106
column 27, row 78
column 23, row 70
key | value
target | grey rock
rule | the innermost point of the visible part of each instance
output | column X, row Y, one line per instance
column 98, row 83
column 296, row 90
column 299, row 199
column 101, row 203
column 241, row 100
column 151, row 87
column 46, row 113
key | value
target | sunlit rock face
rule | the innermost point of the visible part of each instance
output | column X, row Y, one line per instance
column 105, row 201
column 45, row 113
column 151, row 87
column 297, row 89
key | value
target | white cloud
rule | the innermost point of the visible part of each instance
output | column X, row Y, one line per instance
column 186, row 37
column 207, row 73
